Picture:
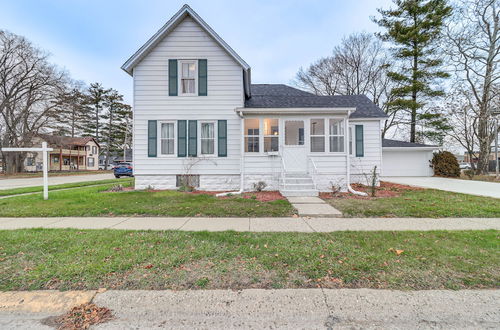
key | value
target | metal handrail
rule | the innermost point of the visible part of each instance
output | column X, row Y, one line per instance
column 315, row 171
column 283, row 169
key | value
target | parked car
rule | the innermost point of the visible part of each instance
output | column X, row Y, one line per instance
column 465, row 166
column 104, row 167
column 123, row 169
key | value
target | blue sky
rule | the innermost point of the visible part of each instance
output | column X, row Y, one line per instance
column 91, row 38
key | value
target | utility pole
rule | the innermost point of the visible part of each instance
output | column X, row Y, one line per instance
column 496, row 113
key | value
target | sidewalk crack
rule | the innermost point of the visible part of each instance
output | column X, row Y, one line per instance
column 185, row 222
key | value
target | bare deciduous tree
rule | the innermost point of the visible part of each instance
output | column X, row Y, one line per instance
column 475, row 53
column 29, row 90
column 357, row 66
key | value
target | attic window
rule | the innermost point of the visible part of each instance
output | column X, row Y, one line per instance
column 188, row 77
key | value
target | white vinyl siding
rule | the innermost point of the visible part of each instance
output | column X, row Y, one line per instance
column 188, row 41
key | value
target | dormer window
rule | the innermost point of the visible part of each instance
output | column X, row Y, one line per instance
column 188, row 77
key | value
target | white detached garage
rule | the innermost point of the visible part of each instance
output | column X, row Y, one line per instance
column 401, row 158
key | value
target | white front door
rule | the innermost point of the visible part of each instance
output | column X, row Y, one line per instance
column 294, row 149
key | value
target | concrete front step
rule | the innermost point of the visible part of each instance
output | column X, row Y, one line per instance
column 297, row 186
column 299, row 193
column 297, row 180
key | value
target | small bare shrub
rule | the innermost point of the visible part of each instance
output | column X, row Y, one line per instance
column 259, row 186
column 116, row 188
column 469, row 174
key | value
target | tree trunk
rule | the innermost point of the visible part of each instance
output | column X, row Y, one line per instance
column 413, row 123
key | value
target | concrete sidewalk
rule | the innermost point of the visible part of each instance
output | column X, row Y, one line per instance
column 275, row 309
column 303, row 224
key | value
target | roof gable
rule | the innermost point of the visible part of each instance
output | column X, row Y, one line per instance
column 185, row 11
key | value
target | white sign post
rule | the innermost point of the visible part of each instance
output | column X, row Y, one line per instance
column 44, row 151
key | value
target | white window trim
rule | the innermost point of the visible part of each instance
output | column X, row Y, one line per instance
column 216, row 137
column 342, row 123
column 327, row 143
column 179, row 77
column 271, row 135
column 158, row 135
column 261, row 140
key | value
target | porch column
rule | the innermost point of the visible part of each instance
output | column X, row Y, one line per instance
column 60, row 159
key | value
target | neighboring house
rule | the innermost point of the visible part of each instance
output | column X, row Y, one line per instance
column 196, row 113
column 115, row 157
column 69, row 154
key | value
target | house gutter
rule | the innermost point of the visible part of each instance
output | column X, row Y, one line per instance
column 242, row 155
column 348, row 162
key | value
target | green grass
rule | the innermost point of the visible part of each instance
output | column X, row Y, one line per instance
column 420, row 203
column 63, row 259
column 95, row 201
column 18, row 191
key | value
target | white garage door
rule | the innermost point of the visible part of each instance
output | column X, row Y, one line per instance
column 406, row 163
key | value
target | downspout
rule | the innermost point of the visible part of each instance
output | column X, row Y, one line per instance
column 348, row 160
column 242, row 155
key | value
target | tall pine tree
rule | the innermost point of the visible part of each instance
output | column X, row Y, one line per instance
column 73, row 111
column 96, row 96
column 414, row 26
column 115, row 123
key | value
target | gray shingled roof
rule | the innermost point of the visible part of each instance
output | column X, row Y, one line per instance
column 283, row 96
column 388, row 143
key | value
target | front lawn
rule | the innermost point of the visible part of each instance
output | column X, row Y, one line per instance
column 33, row 259
column 421, row 203
column 96, row 201
column 24, row 190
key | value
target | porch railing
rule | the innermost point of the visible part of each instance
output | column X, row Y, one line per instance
column 314, row 172
column 283, row 170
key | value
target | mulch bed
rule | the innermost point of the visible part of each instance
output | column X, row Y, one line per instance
column 386, row 189
column 261, row 196
column 82, row 317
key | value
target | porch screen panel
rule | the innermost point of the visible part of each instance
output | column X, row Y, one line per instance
column 294, row 133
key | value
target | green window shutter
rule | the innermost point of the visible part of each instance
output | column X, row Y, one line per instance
column 222, row 138
column 152, row 132
column 202, row 77
column 181, row 138
column 172, row 78
column 360, row 152
column 193, row 138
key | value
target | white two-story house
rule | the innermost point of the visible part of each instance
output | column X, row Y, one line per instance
column 197, row 113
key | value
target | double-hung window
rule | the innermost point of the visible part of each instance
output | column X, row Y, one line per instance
column 251, row 135
column 207, row 138
column 188, row 77
column 317, row 135
column 336, row 135
column 271, row 135
column 167, row 138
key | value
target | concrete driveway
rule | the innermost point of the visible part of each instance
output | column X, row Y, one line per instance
column 33, row 182
column 479, row 188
